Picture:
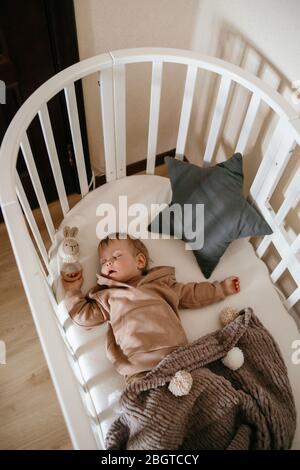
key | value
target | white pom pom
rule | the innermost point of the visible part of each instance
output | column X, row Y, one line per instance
column 234, row 359
column 181, row 383
column 227, row 315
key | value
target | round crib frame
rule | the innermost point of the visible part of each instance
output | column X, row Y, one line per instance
column 111, row 69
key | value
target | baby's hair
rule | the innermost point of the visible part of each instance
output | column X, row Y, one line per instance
column 137, row 245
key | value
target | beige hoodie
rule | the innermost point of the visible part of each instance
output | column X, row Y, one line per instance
column 144, row 325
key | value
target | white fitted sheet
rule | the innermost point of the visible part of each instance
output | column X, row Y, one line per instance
column 102, row 384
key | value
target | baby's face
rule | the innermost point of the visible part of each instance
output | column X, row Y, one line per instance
column 119, row 262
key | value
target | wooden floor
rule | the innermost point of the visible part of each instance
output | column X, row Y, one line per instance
column 30, row 416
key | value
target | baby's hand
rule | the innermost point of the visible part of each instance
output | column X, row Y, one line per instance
column 231, row 285
column 72, row 281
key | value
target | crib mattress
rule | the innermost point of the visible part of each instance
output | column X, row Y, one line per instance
column 102, row 386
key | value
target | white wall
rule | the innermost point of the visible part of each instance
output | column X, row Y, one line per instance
column 271, row 26
column 262, row 36
column 106, row 25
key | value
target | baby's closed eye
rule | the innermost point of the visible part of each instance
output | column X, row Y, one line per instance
column 114, row 257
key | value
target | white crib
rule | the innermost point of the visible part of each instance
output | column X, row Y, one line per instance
column 72, row 387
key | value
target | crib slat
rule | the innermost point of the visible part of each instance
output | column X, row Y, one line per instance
column 276, row 168
column 217, row 119
column 263, row 246
column 30, row 219
column 287, row 261
column 71, row 101
column 279, row 270
column 286, row 250
column 154, row 115
column 296, row 244
column 53, row 158
column 292, row 299
column 292, row 197
column 268, row 158
column 248, row 123
column 36, row 182
column 107, row 105
column 271, row 177
column 186, row 110
column 291, row 263
column 120, row 118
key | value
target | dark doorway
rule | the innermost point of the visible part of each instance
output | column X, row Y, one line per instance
column 38, row 39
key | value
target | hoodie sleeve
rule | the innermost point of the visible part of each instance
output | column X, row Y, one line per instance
column 197, row 294
column 89, row 310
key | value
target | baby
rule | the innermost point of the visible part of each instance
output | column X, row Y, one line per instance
column 140, row 304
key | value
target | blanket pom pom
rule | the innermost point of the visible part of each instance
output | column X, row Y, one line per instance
column 227, row 315
column 181, row 383
column 234, row 359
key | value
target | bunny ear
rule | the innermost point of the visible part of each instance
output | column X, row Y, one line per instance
column 74, row 231
column 67, row 231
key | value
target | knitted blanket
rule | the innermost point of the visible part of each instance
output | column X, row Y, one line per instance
column 250, row 408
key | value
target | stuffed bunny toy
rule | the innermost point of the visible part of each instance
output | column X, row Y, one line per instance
column 69, row 255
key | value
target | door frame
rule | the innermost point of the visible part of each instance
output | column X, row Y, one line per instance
column 64, row 43
column 64, row 53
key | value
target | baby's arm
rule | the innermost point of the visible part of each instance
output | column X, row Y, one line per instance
column 200, row 294
column 89, row 310
column 231, row 285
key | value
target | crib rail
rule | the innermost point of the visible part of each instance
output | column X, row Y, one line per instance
column 154, row 115
column 111, row 70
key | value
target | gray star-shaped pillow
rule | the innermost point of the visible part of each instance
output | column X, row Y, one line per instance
column 227, row 214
